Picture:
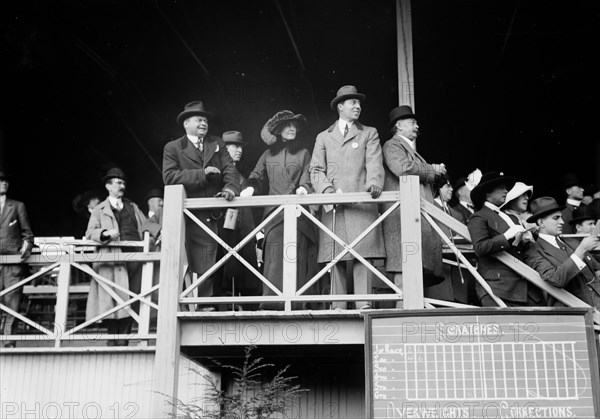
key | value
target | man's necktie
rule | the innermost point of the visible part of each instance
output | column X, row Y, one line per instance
column 199, row 146
column 346, row 131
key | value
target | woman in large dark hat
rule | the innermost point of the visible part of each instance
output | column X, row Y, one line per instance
column 283, row 170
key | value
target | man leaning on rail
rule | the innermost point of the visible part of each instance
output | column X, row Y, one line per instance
column 202, row 164
column 115, row 219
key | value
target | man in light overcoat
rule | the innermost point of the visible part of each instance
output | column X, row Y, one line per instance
column 347, row 158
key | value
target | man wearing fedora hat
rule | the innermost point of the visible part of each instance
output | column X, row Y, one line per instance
column 202, row 164
column 574, row 191
column 347, row 158
column 115, row 219
column 401, row 159
column 16, row 238
column 494, row 231
column 559, row 263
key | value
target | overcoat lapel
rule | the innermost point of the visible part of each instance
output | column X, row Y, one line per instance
column 189, row 151
column 335, row 133
column 210, row 147
column 559, row 255
column 8, row 209
column 354, row 130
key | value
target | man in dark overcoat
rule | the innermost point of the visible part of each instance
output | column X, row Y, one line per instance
column 401, row 159
column 16, row 238
column 202, row 164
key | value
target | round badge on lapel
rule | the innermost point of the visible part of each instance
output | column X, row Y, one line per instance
column 355, row 145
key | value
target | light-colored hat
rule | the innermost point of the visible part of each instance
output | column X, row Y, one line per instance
column 519, row 189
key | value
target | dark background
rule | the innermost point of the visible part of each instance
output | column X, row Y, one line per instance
column 504, row 85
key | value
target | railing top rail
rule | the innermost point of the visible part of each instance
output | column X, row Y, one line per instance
column 310, row 199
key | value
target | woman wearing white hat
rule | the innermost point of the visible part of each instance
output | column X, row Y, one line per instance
column 517, row 200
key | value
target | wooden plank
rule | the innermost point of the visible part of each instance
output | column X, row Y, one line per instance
column 290, row 254
column 412, row 264
column 405, row 53
column 62, row 302
column 51, row 289
column 147, row 274
column 310, row 199
column 83, row 258
column 172, row 262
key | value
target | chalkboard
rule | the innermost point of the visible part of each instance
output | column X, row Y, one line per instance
column 482, row 363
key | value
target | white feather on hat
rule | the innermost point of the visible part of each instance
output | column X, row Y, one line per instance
column 473, row 179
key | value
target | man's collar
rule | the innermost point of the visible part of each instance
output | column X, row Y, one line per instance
column 113, row 201
column 408, row 140
column 573, row 202
column 550, row 239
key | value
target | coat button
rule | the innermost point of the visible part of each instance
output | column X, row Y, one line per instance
column 208, row 220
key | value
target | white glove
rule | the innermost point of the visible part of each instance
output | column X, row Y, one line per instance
column 301, row 191
column 513, row 231
column 249, row 191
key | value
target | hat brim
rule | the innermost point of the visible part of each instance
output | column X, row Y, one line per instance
column 296, row 118
column 186, row 114
column 236, row 142
column 534, row 217
column 526, row 190
column 341, row 98
column 107, row 178
column 581, row 219
column 407, row 116
column 478, row 193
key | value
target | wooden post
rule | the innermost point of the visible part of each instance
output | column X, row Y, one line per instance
column 166, row 361
column 412, row 264
column 145, row 310
column 62, row 302
column 405, row 57
column 290, row 253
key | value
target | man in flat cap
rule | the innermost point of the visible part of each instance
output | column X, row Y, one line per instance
column 559, row 263
column 115, row 219
column 16, row 238
column 347, row 158
column 202, row 164
column 401, row 159
column 574, row 192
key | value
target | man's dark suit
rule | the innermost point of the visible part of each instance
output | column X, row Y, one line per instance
column 183, row 164
column 567, row 216
column 486, row 228
column 463, row 213
column 556, row 267
column 14, row 231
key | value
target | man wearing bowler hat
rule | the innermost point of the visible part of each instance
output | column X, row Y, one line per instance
column 572, row 187
column 347, row 158
column 401, row 159
column 115, row 219
column 202, row 164
column 493, row 231
column 559, row 263
column 584, row 220
column 16, row 238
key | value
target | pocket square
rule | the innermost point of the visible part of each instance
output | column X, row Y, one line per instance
column 12, row 223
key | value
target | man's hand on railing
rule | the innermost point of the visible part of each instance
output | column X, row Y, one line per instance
column 25, row 250
column 227, row 194
column 249, row 191
column 375, row 191
column 440, row 169
column 111, row 234
column 301, row 191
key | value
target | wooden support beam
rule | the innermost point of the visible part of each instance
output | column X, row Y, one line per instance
column 62, row 302
column 166, row 362
column 412, row 263
column 406, row 76
column 290, row 253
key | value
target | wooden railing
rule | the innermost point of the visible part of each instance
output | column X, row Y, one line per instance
column 61, row 258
